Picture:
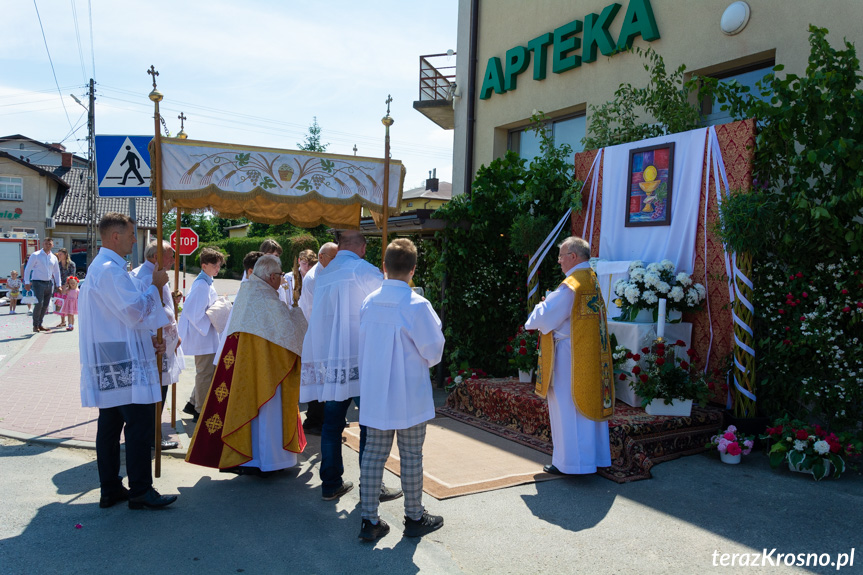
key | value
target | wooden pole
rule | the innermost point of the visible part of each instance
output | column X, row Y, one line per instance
column 156, row 173
column 387, row 121
column 176, row 298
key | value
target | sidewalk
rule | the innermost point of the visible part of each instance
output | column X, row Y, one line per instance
column 40, row 383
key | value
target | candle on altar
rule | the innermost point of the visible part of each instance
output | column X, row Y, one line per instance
column 660, row 319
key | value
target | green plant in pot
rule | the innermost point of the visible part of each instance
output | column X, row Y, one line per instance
column 668, row 377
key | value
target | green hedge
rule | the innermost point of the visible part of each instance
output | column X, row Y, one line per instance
column 237, row 248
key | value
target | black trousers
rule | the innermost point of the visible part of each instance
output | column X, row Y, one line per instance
column 43, row 291
column 136, row 422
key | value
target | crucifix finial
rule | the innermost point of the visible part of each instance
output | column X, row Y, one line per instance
column 355, row 149
column 389, row 99
column 182, row 117
column 152, row 71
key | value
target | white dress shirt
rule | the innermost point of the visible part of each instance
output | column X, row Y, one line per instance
column 42, row 266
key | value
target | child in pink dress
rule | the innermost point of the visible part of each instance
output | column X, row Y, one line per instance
column 70, row 304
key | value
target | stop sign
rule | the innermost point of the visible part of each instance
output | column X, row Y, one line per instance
column 188, row 242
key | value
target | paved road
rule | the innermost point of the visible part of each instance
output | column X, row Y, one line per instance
column 693, row 508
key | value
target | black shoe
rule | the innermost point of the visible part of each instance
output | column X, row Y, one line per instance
column 370, row 531
column 151, row 499
column 190, row 409
column 114, row 497
column 346, row 486
column 167, row 444
column 312, row 429
column 390, row 493
column 552, row 470
column 422, row 526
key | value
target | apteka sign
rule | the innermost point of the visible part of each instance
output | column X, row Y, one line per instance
column 638, row 21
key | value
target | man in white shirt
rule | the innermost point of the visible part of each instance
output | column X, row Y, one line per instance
column 172, row 360
column 581, row 402
column 42, row 268
column 330, row 350
column 196, row 331
column 119, row 374
column 313, row 425
column 400, row 340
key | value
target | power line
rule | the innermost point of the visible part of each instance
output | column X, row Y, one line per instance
column 44, row 39
column 78, row 39
column 92, row 50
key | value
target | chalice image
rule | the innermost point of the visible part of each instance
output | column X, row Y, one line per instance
column 648, row 186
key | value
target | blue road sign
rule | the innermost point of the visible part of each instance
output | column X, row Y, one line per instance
column 123, row 166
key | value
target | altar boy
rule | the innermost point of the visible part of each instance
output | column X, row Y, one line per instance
column 400, row 339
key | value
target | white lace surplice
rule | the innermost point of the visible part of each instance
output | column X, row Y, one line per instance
column 330, row 348
column 115, row 321
column 173, row 359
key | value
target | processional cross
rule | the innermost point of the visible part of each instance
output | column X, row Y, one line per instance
column 152, row 71
column 389, row 99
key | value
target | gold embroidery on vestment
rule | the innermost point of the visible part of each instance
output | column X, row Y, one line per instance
column 221, row 392
column 214, row 423
column 229, row 360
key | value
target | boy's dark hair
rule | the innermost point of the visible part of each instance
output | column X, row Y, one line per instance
column 112, row 221
column 270, row 246
column 251, row 259
column 212, row 256
column 401, row 257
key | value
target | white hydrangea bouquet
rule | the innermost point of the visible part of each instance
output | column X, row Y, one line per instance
column 646, row 284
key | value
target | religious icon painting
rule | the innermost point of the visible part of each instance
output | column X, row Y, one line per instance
column 650, row 183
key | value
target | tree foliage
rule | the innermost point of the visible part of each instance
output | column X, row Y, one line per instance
column 313, row 139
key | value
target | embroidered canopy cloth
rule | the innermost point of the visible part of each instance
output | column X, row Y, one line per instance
column 274, row 186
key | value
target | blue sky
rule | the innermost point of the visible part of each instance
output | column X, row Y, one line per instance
column 252, row 72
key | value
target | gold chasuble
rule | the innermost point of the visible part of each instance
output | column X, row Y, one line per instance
column 261, row 352
column 592, row 367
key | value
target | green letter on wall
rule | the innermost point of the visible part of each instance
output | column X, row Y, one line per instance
column 517, row 60
column 493, row 79
column 596, row 33
column 540, row 55
column 639, row 21
column 564, row 43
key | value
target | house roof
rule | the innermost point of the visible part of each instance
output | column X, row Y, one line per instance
column 47, row 171
column 51, row 147
column 444, row 193
column 73, row 208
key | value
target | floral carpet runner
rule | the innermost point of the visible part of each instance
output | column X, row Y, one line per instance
column 639, row 441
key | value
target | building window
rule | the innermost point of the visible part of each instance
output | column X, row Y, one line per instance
column 711, row 112
column 25, row 230
column 11, row 188
column 410, row 204
column 569, row 130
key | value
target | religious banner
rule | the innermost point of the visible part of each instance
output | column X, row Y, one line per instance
column 274, row 186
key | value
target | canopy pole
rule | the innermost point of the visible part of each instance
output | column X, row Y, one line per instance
column 176, row 297
column 386, row 121
column 156, row 174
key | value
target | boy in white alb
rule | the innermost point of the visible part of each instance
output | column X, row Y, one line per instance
column 400, row 339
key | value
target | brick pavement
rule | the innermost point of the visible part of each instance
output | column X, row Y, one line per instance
column 40, row 384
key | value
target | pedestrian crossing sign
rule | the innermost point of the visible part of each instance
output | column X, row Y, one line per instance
column 123, row 166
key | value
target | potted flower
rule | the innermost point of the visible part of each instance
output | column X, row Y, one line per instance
column 732, row 445
column 638, row 296
column 523, row 353
column 668, row 384
column 807, row 449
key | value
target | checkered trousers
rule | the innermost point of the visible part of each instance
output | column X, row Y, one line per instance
column 378, row 445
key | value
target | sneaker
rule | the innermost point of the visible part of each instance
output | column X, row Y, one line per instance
column 390, row 493
column 370, row 531
column 70, row 328
column 422, row 526
column 346, row 486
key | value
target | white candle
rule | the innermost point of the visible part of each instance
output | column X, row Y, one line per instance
column 660, row 319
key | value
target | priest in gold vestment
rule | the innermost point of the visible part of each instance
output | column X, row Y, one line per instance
column 576, row 372
column 250, row 422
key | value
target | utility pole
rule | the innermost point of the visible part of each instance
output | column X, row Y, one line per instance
column 91, row 176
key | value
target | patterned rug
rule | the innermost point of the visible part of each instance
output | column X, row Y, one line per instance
column 639, row 441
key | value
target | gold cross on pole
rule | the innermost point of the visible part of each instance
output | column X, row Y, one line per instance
column 152, row 71
column 182, row 117
column 389, row 99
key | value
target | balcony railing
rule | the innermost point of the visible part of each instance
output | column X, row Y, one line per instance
column 437, row 76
